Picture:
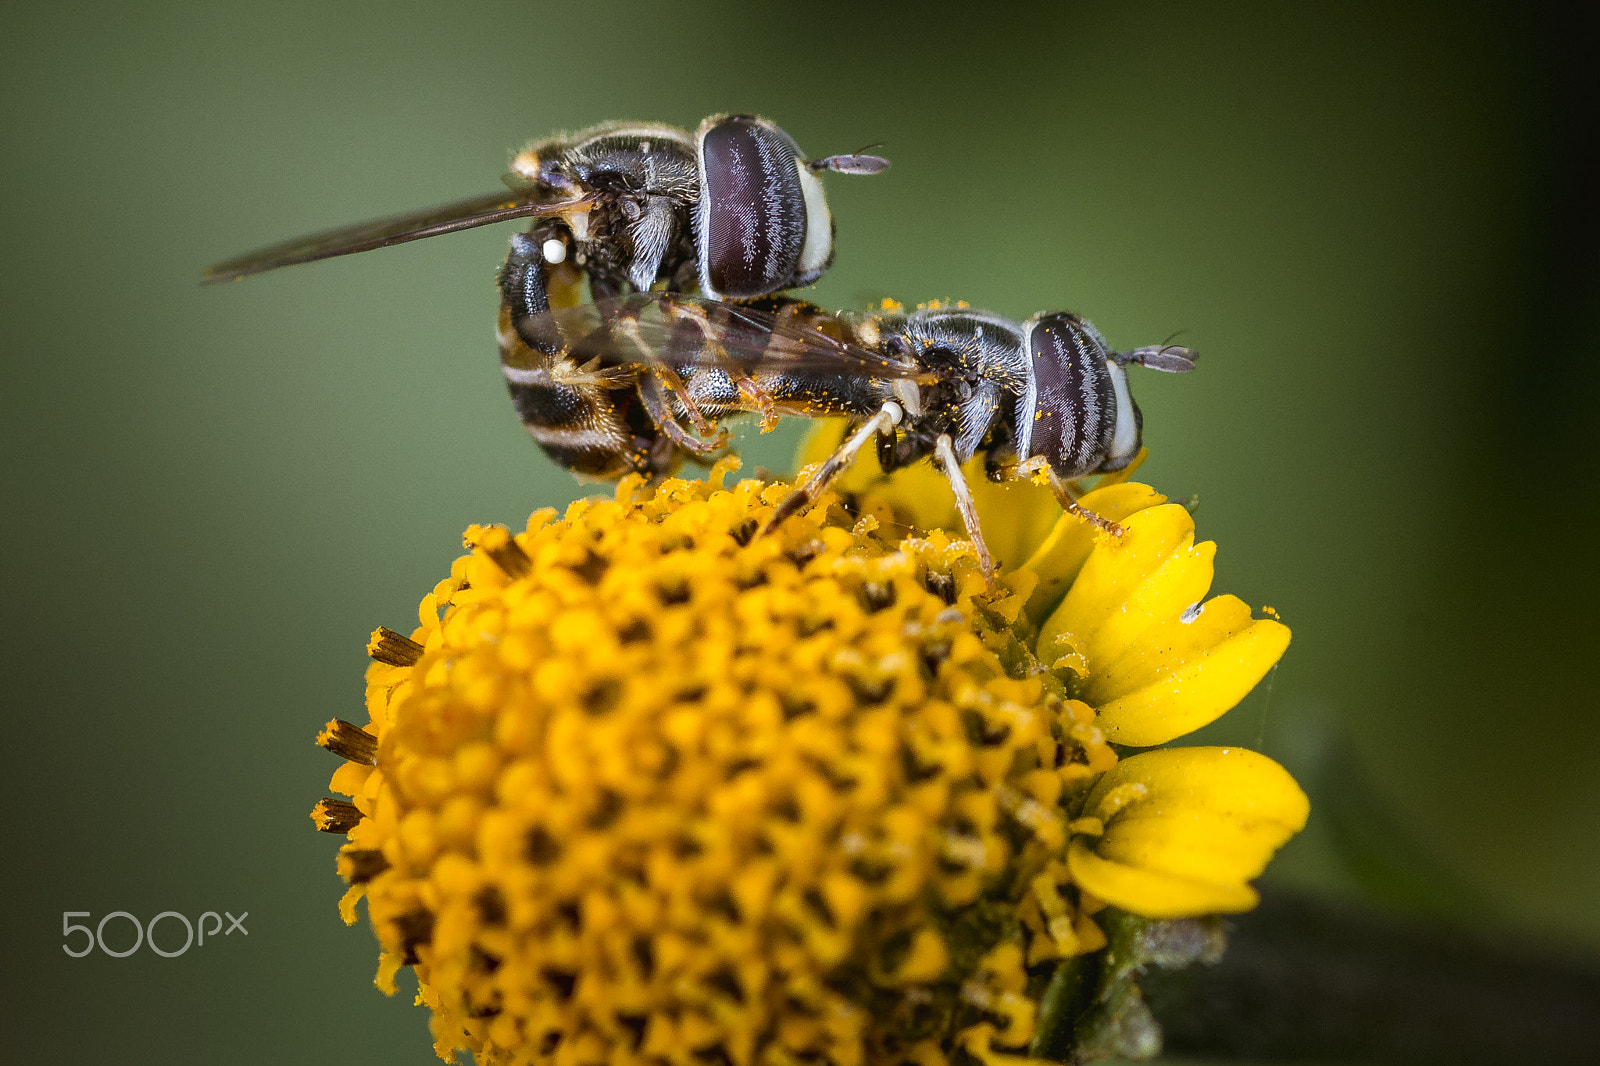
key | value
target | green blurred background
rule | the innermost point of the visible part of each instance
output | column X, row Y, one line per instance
column 1371, row 222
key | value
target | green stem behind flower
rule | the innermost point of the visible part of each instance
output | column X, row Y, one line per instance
column 1308, row 980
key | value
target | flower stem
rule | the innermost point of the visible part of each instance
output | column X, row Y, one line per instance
column 1306, row 979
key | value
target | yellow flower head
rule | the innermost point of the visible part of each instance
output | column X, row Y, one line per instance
column 643, row 787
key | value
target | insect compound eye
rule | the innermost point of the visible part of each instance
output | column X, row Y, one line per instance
column 1076, row 401
column 752, row 221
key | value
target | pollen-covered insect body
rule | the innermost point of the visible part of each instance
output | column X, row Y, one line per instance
column 733, row 209
column 1047, row 397
column 639, row 382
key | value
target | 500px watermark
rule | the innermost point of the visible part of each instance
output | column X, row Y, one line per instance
column 146, row 934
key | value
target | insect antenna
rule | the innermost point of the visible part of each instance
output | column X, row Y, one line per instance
column 856, row 162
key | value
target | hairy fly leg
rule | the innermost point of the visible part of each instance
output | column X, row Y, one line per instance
column 945, row 455
column 1064, row 495
column 886, row 419
column 653, row 393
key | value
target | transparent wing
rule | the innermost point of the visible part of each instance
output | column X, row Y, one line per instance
column 775, row 335
column 396, row 229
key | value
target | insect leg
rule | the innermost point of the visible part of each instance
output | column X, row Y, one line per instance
column 887, row 418
column 628, row 326
column 653, row 396
column 896, row 451
column 888, row 448
column 945, row 454
column 758, row 400
column 1063, row 493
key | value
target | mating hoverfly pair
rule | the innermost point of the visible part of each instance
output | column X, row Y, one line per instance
column 686, row 243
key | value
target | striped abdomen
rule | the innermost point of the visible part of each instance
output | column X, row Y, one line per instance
column 581, row 424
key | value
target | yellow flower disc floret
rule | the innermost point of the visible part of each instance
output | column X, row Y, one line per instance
column 645, row 787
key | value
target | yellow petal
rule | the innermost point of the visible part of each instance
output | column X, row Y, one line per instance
column 1193, row 686
column 1228, row 781
column 823, row 436
column 1154, row 894
column 1205, row 822
column 1061, row 552
column 1155, row 660
column 1115, row 571
column 1015, row 515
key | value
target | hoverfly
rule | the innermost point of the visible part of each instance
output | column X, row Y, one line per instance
column 640, row 381
column 732, row 208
